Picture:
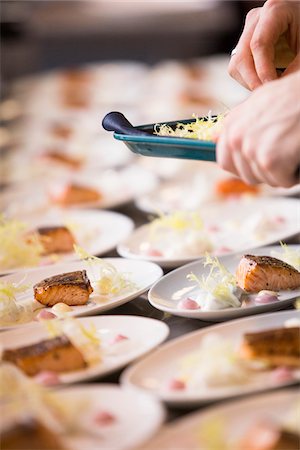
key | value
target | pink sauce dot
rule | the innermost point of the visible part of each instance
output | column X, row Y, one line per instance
column 223, row 249
column 45, row 315
column 213, row 228
column 176, row 385
column 279, row 219
column 282, row 375
column 154, row 252
column 264, row 299
column 119, row 338
column 188, row 303
column 104, row 418
column 47, row 378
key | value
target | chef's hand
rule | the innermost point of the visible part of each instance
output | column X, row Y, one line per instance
column 253, row 63
column 260, row 138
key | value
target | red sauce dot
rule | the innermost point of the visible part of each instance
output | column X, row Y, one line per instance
column 176, row 385
column 104, row 418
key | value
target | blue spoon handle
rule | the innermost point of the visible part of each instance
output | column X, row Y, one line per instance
column 116, row 121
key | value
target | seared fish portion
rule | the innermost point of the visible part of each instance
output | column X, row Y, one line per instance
column 278, row 347
column 72, row 288
column 57, row 354
column 256, row 273
column 268, row 436
column 55, row 239
column 73, row 194
column 29, row 434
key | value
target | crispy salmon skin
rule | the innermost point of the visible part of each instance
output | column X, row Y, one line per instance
column 54, row 239
column 278, row 347
column 72, row 288
column 256, row 273
column 57, row 354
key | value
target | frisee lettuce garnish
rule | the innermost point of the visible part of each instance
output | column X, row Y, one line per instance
column 108, row 279
column 288, row 255
column 16, row 250
column 178, row 221
column 11, row 311
column 220, row 283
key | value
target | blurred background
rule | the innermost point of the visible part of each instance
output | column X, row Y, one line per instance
column 40, row 35
column 65, row 64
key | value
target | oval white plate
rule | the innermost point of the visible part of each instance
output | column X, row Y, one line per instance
column 127, row 407
column 234, row 221
column 154, row 372
column 143, row 334
column 173, row 287
column 233, row 419
column 117, row 187
column 142, row 273
column 96, row 231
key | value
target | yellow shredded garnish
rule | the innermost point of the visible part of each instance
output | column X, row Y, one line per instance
column 108, row 279
column 84, row 338
column 11, row 311
column 211, row 434
column 203, row 129
column 219, row 282
column 288, row 255
column 15, row 249
column 178, row 221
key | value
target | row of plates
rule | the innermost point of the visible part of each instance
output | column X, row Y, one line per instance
column 153, row 373
column 267, row 221
column 165, row 294
column 144, row 386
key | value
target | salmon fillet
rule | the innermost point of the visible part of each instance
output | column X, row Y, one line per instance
column 57, row 354
column 267, row 436
column 57, row 156
column 74, row 193
column 29, row 434
column 256, row 273
column 72, row 288
column 54, row 239
column 234, row 187
column 278, row 347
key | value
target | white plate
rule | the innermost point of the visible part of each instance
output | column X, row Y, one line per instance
column 233, row 419
column 194, row 189
column 96, row 231
column 240, row 224
column 143, row 335
column 126, row 410
column 154, row 372
column 117, row 187
column 173, row 287
column 142, row 273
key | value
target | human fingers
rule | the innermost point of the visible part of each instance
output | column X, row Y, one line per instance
column 224, row 153
column 293, row 67
column 244, row 169
column 273, row 22
column 241, row 66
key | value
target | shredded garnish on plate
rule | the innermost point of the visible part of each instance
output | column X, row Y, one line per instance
column 211, row 434
column 215, row 364
column 11, row 311
column 203, row 128
column 178, row 221
column 85, row 338
column 220, row 284
column 109, row 281
column 16, row 250
column 288, row 255
column 21, row 396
